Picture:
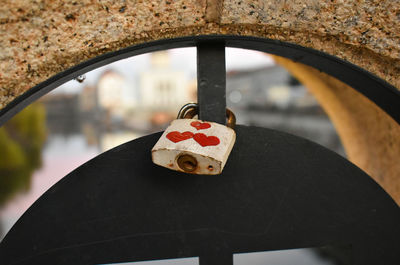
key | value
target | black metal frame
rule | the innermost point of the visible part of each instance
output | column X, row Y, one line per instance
column 211, row 81
column 377, row 90
column 277, row 191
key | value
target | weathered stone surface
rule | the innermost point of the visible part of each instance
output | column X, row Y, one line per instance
column 371, row 137
column 42, row 38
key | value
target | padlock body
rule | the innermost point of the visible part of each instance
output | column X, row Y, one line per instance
column 194, row 146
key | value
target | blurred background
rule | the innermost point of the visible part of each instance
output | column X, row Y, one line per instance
column 135, row 97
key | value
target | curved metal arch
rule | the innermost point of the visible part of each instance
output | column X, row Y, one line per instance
column 384, row 95
column 120, row 207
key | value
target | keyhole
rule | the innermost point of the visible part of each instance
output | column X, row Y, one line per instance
column 187, row 163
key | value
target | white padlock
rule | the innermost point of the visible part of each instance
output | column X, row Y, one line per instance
column 195, row 146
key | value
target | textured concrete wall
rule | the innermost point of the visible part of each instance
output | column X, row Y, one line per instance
column 42, row 38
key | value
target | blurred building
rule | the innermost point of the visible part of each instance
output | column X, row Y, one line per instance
column 88, row 99
column 115, row 93
column 63, row 114
column 145, row 105
column 266, row 87
column 270, row 97
column 163, row 88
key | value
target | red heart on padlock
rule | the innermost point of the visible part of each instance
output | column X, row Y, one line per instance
column 177, row 136
column 200, row 125
column 205, row 140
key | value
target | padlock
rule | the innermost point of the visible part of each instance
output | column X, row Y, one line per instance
column 195, row 146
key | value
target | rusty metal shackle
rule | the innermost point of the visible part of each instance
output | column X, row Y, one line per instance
column 190, row 110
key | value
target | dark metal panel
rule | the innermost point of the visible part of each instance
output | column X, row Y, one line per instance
column 216, row 259
column 277, row 191
column 211, row 81
column 377, row 90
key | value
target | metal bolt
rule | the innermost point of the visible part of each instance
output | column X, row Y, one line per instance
column 80, row 78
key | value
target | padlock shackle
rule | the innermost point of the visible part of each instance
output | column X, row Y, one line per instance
column 190, row 110
column 186, row 109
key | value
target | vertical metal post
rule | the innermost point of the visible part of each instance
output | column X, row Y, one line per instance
column 211, row 81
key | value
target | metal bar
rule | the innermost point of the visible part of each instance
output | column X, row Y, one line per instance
column 211, row 81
